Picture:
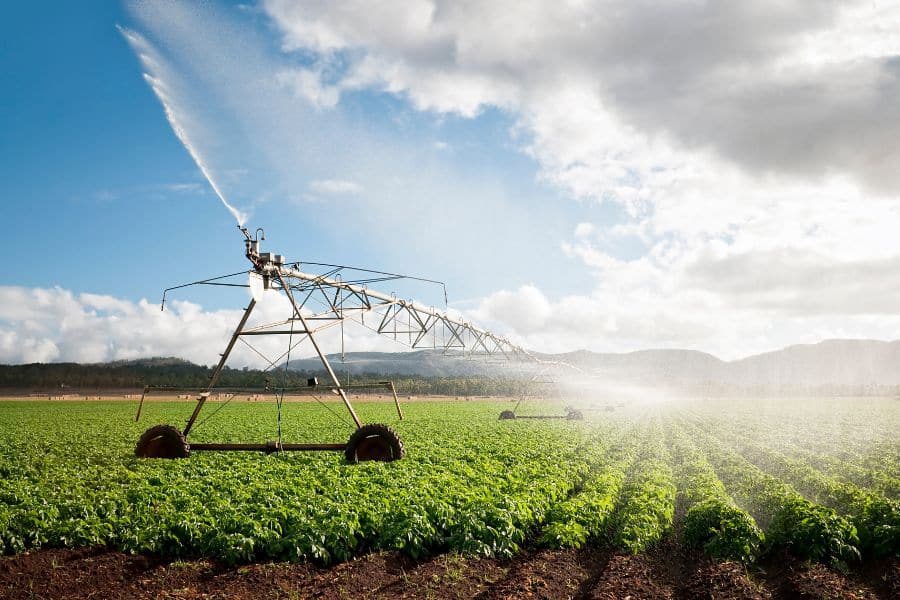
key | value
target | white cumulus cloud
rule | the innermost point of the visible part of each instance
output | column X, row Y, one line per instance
column 752, row 147
column 57, row 325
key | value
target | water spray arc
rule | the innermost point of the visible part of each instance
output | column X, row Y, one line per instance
column 318, row 302
column 154, row 65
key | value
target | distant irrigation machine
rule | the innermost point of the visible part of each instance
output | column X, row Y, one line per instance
column 317, row 302
column 571, row 414
column 541, row 382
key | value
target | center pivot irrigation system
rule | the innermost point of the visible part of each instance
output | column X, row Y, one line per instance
column 543, row 380
column 318, row 302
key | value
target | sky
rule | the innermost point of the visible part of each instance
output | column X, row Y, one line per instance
column 611, row 176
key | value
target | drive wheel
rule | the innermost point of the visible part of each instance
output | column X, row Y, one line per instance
column 374, row 442
column 162, row 441
column 507, row 414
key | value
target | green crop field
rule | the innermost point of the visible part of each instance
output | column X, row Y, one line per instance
column 738, row 479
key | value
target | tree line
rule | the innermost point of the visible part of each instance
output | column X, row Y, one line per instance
column 76, row 378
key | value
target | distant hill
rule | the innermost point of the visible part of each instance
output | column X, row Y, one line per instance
column 831, row 366
column 842, row 363
column 156, row 361
column 659, row 364
column 832, row 362
column 418, row 363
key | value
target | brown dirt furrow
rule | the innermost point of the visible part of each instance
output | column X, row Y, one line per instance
column 632, row 577
column 712, row 580
column 788, row 577
column 101, row 574
column 691, row 575
column 817, row 581
column 548, row 574
column 663, row 573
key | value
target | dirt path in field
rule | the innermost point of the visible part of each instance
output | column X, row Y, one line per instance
column 663, row 573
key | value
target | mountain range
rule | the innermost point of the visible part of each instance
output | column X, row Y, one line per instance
column 847, row 363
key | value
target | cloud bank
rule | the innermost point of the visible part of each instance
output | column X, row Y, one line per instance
column 56, row 325
column 753, row 147
column 799, row 88
column 749, row 153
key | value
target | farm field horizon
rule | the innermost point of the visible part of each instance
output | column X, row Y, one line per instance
column 727, row 489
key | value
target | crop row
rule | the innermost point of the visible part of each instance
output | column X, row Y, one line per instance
column 469, row 483
column 858, row 445
column 810, row 530
column 712, row 520
column 877, row 480
column 857, row 438
column 586, row 514
column 876, row 518
column 647, row 502
column 870, row 478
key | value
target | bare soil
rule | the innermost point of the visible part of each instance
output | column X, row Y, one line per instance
column 663, row 573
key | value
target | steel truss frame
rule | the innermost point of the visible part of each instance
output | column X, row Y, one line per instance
column 322, row 301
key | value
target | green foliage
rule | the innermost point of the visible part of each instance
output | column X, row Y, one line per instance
column 647, row 502
column 470, row 483
column 712, row 521
column 648, row 514
column 877, row 519
column 814, row 532
column 810, row 530
column 567, row 533
column 585, row 515
column 722, row 530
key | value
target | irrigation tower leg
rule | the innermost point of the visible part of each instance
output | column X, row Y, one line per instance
column 322, row 357
column 396, row 400
column 137, row 417
column 214, row 378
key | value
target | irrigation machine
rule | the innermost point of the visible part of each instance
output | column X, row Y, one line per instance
column 538, row 382
column 317, row 302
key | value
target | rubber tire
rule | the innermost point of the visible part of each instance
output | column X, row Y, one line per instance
column 162, row 441
column 374, row 442
column 575, row 415
column 507, row 414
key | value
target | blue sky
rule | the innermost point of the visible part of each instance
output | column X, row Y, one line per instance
column 89, row 160
column 98, row 181
column 729, row 193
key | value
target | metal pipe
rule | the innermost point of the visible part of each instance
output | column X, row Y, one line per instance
column 414, row 310
column 318, row 279
column 542, row 416
column 302, row 389
column 267, row 447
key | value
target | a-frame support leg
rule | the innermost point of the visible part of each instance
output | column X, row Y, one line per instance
column 214, row 378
